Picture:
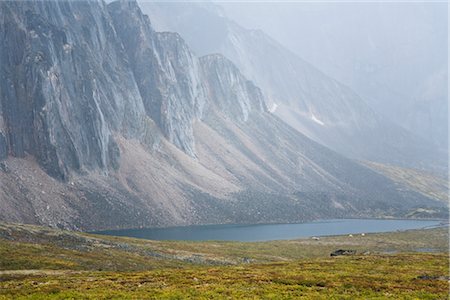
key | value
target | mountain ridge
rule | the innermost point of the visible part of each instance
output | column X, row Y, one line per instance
column 317, row 105
column 126, row 127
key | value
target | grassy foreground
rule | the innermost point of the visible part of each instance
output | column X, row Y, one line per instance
column 42, row 263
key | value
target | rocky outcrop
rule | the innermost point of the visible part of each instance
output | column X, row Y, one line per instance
column 341, row 252
column 65, row 85
column 166, row 73
column 228, row 90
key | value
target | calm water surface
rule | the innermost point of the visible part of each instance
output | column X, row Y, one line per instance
column 268, row 232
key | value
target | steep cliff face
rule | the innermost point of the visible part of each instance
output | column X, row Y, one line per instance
column 64, row 85
column 315, row 104
column 106, row 123
column 166, row 73
column 228, row 90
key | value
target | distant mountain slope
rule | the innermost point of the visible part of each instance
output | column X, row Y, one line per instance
column 107, row 123
column 425, row 183
column 426, row 113
column 387, row 52
column 308, row 100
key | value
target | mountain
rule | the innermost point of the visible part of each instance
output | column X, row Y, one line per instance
column 427, row 111
column 106, row 123
column 384, row 51
column 307, row 99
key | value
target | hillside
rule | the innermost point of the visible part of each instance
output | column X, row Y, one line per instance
column 46, row 263
column 423, row 182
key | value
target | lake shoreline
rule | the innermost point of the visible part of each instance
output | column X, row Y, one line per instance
column 263, row 223
column 276, row 231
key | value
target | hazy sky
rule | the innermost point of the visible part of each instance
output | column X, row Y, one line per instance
column 395, row 54
column 341, row 37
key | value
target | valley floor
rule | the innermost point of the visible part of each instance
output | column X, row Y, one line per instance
column 38, row 262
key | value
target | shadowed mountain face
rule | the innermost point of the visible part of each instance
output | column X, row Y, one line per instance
column 106, row 123
column 308, row 100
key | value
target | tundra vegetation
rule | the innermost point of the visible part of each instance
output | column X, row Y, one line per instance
column 38, row 262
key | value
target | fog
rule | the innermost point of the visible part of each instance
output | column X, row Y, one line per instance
column 393, row 54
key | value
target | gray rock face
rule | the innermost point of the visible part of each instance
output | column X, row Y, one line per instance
column 228, row 90
column 65, row 85
column 318, row 106
column 106, row 123
column 175, row 85
column 166, row 73
column 3, row 147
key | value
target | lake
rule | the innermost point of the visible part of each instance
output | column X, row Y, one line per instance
column 268, row 232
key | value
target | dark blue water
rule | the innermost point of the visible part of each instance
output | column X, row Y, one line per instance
column 268, row 232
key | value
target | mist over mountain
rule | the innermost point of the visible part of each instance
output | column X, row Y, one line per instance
column 314, row 103
column 107, row 123
column 388, row 52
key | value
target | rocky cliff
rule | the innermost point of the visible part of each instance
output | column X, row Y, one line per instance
column 106, row 123
column 315, row 104
column 65, row 85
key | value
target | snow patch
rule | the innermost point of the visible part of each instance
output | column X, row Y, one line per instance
column 313, row 117
column 336, row 204
column 67, row 47
column 33, row 34
column 273, row 108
